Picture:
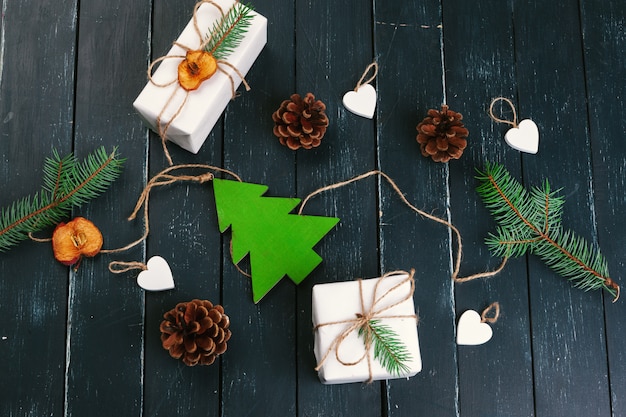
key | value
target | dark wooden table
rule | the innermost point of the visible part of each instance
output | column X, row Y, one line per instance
column 86, row 343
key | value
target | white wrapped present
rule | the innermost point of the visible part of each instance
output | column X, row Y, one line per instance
column 340, row 308
column 193, row 115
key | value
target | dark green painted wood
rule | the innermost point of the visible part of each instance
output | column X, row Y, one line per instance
column 259, row 375
column 106, row 311
column 408, row 88
column 329, row 62
column 36, row 110
column 604, row 42
column 183, row 231
column 87, row 342
column 480, row 66
column 567, row 324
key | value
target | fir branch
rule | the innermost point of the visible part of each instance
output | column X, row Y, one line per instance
column 389, row 350
column 226, row 34
column 531, row 222
column 66, row 183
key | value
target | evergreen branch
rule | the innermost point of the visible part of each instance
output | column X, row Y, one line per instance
column 389, row 350
column 531, row 222
column 67, row 183
column 226, row 34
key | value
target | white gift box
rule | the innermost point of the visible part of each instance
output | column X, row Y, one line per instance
column 205, row 105
column 341, row 302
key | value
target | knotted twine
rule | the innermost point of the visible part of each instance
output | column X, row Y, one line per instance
column 162, row 129
column 362, row 319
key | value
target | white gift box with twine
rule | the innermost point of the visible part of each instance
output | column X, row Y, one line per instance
column 193, row 115
column 340, row 309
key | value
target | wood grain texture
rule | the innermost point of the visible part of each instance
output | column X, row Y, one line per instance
column 36, row 109
column 105, row 338
column 408, row 88
column 567, row 324
column 328, row 64
column 605, row 70
column 259, row 371
column 87, row 342
column 480, row 66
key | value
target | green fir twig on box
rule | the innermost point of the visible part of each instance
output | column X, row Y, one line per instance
column 228, row 32
column 389, row 350
column 531, row 222
column 66, row 183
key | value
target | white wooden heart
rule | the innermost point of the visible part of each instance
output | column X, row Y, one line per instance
column 361, row 102
column 524, row 137
column 157, row 276
column 470, row 330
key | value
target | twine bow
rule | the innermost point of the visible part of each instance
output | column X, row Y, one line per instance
column 362, row 319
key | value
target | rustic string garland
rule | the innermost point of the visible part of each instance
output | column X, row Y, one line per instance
column 362, row 320
column 459, row 251
column 197, row 64
column 165, row 178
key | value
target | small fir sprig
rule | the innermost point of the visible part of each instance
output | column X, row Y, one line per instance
column 66, row 183
column 389, row 350
column 531, row 222
column 227, row 33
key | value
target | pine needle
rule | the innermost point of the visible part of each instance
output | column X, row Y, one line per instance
column 226, row 34
column 66, row 183
column 389, row 350
column 531, row 222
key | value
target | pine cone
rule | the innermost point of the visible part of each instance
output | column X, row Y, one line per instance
column 300, row 122
column 196, row 331
column 442, row 135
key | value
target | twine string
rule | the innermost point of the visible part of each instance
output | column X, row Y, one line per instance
column 163, row 129
column 373, row 65
column 165, row 178
column 39, row 239
column 362, row 319
column 459, row 244
column 497, row 119
column 119, row 267
column 484, row 318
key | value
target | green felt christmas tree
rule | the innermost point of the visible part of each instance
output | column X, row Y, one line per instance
column 279, row 243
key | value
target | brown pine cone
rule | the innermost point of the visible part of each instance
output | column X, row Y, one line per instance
column 300, row 122
column 196, row 331
column 441, row 135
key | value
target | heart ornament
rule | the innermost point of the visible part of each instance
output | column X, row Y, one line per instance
column 471, row 330
column 157, row 276
column 362, row 101
column 524, row 137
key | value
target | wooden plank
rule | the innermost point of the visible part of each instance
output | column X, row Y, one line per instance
column 480, row 66
column 183, row 231
column 409, row 83
column 106, row 311
column 259, row 375
column 569, row 350
column 37, row 47
column 334, row 45
column 604, row 41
